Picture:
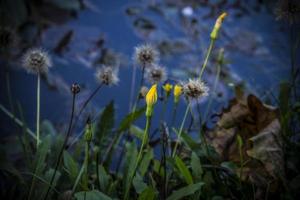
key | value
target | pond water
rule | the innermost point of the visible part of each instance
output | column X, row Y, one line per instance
column 256, row 49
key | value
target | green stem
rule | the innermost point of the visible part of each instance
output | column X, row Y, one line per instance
column 144, row 142
column 181, row 129
column 174, row 113
column 78, row 179
column 83, row 170
column 213, row 91
column 86, row 163
column 63, row 146
column 211, row 45
column 38, row 96
column 97, row 170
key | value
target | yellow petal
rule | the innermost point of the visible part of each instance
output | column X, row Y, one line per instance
column 167, row 87
column 151, row 97
column 177, row 90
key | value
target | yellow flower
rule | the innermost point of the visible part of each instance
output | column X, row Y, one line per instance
column 219, row 21
column 151, row 96
column 151, row 99
column 167, row 87
column 177, row 92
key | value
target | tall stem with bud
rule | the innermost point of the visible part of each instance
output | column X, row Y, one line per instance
column 75, row 89
column 38, row 104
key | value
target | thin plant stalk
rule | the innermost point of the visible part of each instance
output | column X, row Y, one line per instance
column 164, row 140
column 63, row 146
column 164, row 145
column 211, row 45
column 82, row 109
column 97, row 169
column 78, row 178
column 144, row 142
column 181, row 129
column 86, row 163
column 139, row 88
column 213, row 91
column 133, row 110
column 38, row 96
column 174, row 113
column 88, row 100
column 17, row 121
column 132, row 88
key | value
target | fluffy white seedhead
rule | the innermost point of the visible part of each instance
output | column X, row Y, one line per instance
column 156, row 74
column 145, row 55
column 143, row 92
column 195, row 89
column 36, row 61
column 107, row 75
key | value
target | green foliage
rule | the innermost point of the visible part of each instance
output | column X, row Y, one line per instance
column 130, row 118
column 148, row 194
column 71, row 166
column 91, row 195
column 184, row 171
column 106, row 122
column 185, row 191
column 196, row 166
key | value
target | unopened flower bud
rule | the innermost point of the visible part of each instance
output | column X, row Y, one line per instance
column 88, row 135
column 75, row 88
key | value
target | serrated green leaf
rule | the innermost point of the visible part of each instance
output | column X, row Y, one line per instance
column 91, row 195
column 139, row 184
column 196, row 166
column 188, row 141
column 185, row 191
column 104, row 178
column 130, row 118
column 71, row 166
column 184, row 171
column 147, row 194
column 106, row 122
column 130, row 162
column 137, row 132
column 48, row 175
column 41, row 155
column 146, row 162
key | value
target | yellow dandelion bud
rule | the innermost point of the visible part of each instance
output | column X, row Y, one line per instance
column 151, row 99
column 219, row 21
column 167, row 88
column 177, row 92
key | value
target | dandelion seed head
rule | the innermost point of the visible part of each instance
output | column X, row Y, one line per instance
column 145, row 55
column 107, row 75
column 195, row 89
column 156, row 74
column 36, row 61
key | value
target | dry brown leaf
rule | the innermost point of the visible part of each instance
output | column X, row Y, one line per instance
column 259, row 128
